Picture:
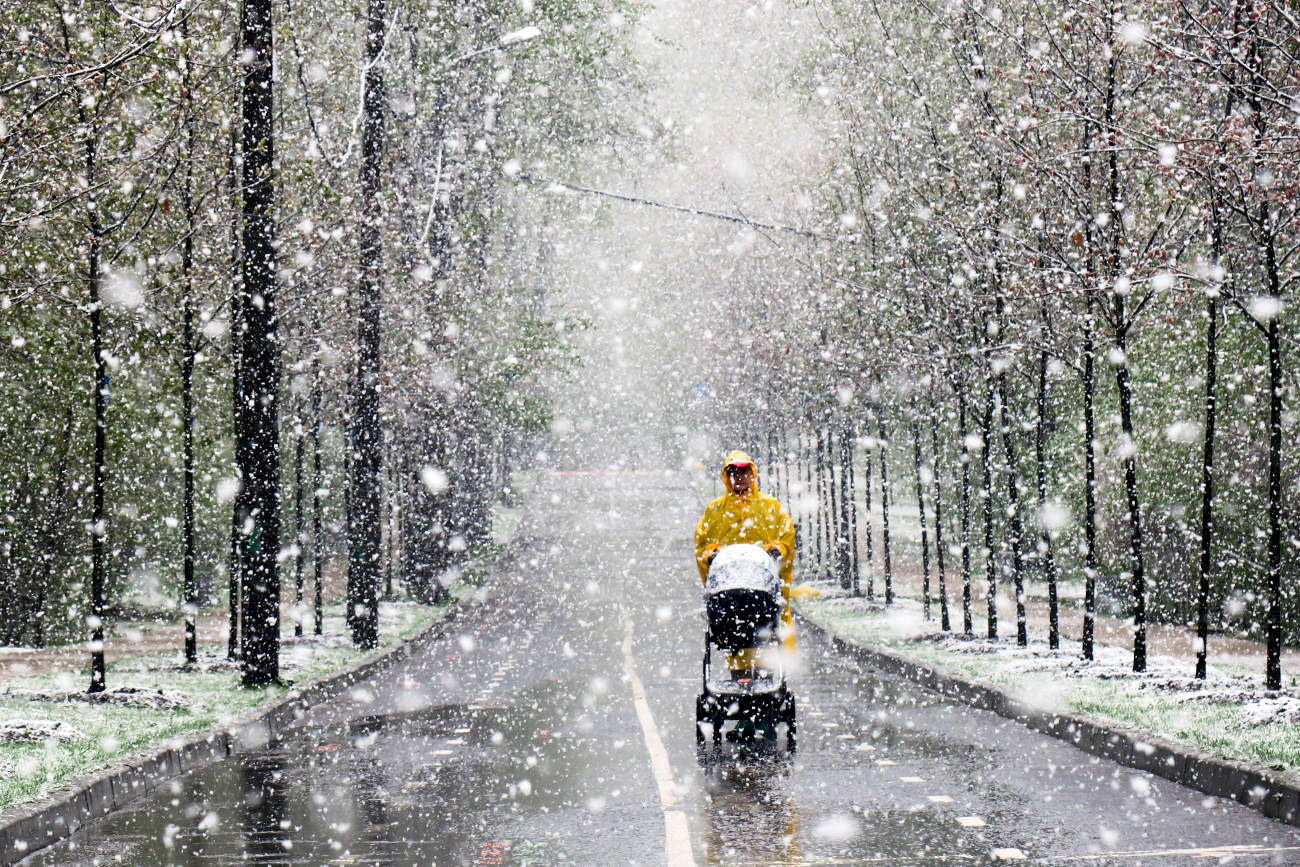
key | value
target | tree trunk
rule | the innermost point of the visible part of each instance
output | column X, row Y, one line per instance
column 1017, row 520
column 967, row 624
column 884, row 513
column 1048, row 557
column 1129, row 448
column 299, row 540
column 190, row 603
column 1207, row 455
column 869, row 530
column 257, row 449
column 856, row 566
column 945, row 622
column 920, row 505
column 1273, row 664
column 1089, row 484
column 366, row 524
column 846, row 493
column 98, row 520
column 317, row 544
column 234, row 565
column 990, row 565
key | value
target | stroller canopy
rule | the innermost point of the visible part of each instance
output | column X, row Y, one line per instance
column 743, row 567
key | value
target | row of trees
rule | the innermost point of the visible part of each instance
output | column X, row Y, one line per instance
column 255, row 259
column 1057, row 281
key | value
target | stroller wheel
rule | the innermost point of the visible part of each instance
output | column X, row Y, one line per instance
column 701, row 717
column 789, row 717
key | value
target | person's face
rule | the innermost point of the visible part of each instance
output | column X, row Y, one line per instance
column 741, row 478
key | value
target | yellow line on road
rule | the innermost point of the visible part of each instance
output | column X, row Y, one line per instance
column 676, row 829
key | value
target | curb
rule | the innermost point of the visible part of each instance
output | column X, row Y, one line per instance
column 1276, row 794
column 32, row 826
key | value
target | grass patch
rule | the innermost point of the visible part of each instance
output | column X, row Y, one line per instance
column 1218, row 728
column 29, row 771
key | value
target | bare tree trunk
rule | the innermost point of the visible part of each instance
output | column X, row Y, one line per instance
column 190, row 604
column 365, row 530
column 1017, row 520
column 1207, row 454
column 920, row 505
column 1048, row 558
column 318, row 545
column 1089, row 484
column 257, row 449
column 98, row 519
column 884, row 513
column 990, row 565
column 968, row 627
column 945, row 622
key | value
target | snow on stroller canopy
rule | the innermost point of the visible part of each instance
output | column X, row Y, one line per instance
column 743, row 567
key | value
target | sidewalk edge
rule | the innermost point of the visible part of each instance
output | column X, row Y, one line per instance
column 1276, row 794
column 30, row 827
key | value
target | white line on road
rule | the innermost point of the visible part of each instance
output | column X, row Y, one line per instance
column 678, row 843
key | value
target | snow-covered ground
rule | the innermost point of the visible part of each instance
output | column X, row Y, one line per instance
column 1229, row 713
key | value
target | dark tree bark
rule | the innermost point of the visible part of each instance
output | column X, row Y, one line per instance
column 856, row 566
column 190, row 590
column 884, row 513
column 1017, row 520
column 945, row 622
column 990, row 564
column 846, row 493
column 234, row 565
column 257, row 448
column 920, row 505
column 300, row 540
column 365, row 525
column 869, row 530
column 98, row 520
column 317, row 542
column 816, row 471
column 967, row 624
column 1136, row 561
column 1207, row 452
column 1089, row 482
column 1048, row 558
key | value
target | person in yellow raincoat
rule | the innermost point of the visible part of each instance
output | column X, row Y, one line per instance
column 744, row 514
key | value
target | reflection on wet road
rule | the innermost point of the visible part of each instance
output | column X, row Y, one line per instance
column 514, row 739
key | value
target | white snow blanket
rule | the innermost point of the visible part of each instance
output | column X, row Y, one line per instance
column 743, row 567
column 37, row 731
column 123, row 696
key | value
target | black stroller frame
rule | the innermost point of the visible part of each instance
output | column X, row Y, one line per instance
column 743, row 610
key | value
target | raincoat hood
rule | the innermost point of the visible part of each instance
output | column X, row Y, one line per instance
column 738, row 458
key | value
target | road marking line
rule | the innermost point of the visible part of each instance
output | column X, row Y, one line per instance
column 938, row 799
column 883, row 762
column 677, row 831
column 911, row 780
column 971, row 822
column 1008, row 855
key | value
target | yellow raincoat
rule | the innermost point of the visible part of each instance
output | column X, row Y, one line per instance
column 754, row 518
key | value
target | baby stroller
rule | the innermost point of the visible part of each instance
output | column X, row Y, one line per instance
column 744, row 668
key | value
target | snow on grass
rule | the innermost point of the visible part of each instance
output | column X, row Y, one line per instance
column 212, row 689
column 1229, row 714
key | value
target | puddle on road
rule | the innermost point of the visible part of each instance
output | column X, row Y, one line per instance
column 446, row 786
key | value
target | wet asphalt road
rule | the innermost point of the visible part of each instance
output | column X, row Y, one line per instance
column 514, row 740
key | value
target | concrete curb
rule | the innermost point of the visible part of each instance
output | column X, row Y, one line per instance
column 1276, row 794
column 29, row 827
